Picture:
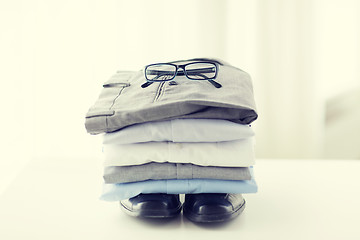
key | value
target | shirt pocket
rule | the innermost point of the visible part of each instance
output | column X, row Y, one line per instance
column 112, row 89
column 96, row 117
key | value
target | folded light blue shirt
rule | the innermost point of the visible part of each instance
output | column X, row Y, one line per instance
column 120, row 191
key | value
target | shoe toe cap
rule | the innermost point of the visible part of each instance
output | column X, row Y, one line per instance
column 213, row 209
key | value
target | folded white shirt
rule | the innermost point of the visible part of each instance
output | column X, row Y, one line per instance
column 238, row 153
column 180, row 130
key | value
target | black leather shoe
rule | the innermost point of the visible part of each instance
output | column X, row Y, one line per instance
column 153, row 205
column 213, row 207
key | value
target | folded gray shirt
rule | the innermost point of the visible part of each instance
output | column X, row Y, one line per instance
column 157, row 171
column 122, row 101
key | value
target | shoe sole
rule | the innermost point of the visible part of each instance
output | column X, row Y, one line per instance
column 170, row 213
column 213, row 218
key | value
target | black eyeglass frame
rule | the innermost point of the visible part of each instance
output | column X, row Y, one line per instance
column 187, row 73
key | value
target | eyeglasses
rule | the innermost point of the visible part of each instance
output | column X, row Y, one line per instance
column 201, row 70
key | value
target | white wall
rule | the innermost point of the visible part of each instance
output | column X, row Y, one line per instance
column 337, row 51
column 290, row 109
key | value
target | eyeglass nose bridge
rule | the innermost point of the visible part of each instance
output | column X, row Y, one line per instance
column 182, row 68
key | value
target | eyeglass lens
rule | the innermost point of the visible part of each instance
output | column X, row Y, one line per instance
column 160, row 72
column 200, row 71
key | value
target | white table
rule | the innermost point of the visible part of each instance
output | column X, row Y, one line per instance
column 297, row 199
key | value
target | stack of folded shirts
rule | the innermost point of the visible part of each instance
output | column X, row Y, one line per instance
column 176, row 137
column 178, row 157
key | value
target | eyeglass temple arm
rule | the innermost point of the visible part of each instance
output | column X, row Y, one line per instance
column 146, row 84
column 214, row 83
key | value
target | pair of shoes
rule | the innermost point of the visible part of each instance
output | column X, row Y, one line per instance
column 213, row 207
column 152, row 205
column 204, row 207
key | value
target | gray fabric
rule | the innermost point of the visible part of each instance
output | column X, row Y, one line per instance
column 157, row 171
column 122, row 101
